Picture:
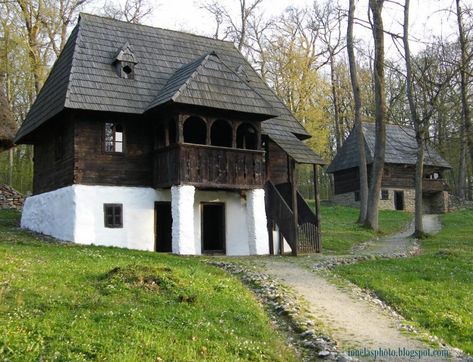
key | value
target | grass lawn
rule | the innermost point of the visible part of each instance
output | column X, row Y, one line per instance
column 434, row 289
column 75, row 303
column 340, row 231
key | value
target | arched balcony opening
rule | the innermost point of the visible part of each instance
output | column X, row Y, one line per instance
column 247, row 137
column 221, row 134
column 195, row 131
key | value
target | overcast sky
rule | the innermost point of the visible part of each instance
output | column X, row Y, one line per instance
column 428, row 17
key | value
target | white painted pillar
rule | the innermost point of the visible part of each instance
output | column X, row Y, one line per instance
column 182, row 205
column 256, row 219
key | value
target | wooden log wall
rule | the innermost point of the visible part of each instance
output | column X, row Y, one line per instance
column 94, row 166
column 50, row 171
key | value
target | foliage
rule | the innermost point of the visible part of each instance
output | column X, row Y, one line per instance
column 434, row 289
column 75, row 303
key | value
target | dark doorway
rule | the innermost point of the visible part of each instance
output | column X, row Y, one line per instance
column 213, row 228
column 399, row 200
column 163, row 217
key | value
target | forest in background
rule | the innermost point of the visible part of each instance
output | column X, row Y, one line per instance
column 301, row 54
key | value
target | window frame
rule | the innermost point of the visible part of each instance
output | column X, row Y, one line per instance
column 104, row 141
column 384, row 194
column 114, row 224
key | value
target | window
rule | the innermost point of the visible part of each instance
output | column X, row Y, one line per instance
column 357, row 196
column 113, row 215
column 113, row 137
column 384, row 195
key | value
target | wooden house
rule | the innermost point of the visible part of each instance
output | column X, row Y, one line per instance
column 153, row 139
column 398, row 183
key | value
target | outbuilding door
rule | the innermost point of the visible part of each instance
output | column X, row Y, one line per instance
column 399, row 200
column 213, row 228
column 163, row 227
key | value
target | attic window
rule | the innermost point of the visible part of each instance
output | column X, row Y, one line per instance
column 125, row 62
column 127, row 69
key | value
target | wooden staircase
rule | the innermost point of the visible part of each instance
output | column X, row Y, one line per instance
column 303, row 236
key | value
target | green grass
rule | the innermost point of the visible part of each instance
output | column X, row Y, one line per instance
column 340, row 231
column 75, row 303
column 434, row 289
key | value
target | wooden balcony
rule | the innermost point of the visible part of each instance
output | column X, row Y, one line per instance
column 430, row 186
column 209, row 167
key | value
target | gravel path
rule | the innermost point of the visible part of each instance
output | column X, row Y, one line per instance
column 352, row 321
column 400, row 243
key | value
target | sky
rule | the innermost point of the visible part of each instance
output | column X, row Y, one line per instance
column 428, row 17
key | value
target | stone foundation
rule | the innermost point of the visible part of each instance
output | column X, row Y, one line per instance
column 434, row 203
column 348, row 199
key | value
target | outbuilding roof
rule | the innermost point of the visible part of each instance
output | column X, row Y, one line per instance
column 401, row 148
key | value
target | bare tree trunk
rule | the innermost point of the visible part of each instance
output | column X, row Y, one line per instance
column 461, row 185
column 418, row 125
column 336, row 118
column 419, row 225
column 376, row 7
column 358, row 122
column 10, row 167
column 464, row 80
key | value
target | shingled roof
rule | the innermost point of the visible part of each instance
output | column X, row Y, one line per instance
column 208, row 82
column 401, row 148
column 83, row 77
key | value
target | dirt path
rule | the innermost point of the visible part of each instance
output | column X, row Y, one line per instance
column 353, row 322
column 400, row 243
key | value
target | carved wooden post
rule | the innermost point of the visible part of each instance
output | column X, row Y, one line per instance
column 258, row 136
column 318, row 246
column 166, row 133
column 234, row 134
column 294, row 205
column 180, row 128
column 208, row 124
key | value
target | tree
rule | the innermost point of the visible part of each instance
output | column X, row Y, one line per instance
column 420, row 126
column 237, row 29
column 56, row 18
column 464, row 67
column 376, row 8
column 132, row 11
column 7, row 121
column 327, row 23
column 358, row 122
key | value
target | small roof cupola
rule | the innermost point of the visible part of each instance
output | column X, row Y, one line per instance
column 125, row 62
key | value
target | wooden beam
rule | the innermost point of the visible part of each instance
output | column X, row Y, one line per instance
column 294, row 205
column 318, row 246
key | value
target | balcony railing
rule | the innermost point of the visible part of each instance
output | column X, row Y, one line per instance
column 209, row 166
column 438, row 185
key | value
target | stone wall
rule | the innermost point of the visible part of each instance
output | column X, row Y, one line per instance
column 348, row 199
column 10, row 198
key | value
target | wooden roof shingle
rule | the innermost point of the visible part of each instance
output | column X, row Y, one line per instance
column 209, row 82
column 83, row 76
column 401, row 148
